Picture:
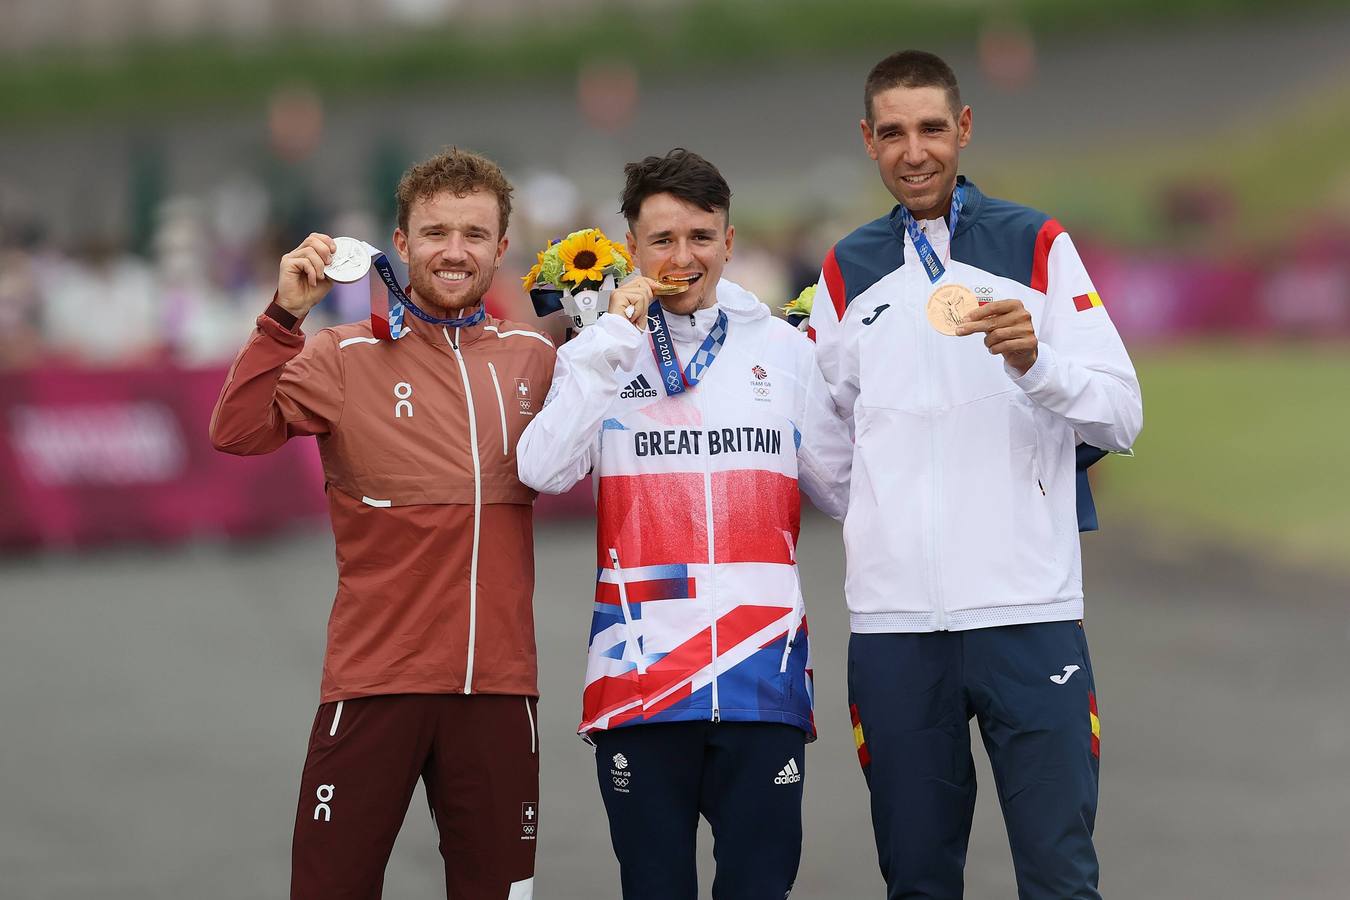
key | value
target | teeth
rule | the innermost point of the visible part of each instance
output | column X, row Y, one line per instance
column 916, row 179
column 452, row 276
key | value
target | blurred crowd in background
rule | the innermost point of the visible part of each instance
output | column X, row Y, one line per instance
column 179, row 268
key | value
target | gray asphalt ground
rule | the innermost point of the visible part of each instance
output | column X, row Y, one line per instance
column 155, row 709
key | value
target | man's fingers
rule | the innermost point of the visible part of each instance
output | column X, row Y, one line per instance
column 321, row 242
column 988, row 324
column 1013, row 345
column 317, row 255
column 1006, row 333
column 304, row 267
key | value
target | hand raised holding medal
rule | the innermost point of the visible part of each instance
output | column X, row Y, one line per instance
column 303, row 279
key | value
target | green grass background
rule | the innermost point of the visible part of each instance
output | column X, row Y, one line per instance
column 1241, row 443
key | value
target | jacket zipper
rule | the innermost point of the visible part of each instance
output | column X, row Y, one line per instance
column 501, row 407
column 477, row 506
column 792, row 628
column 627, row 613
column 712, row 556
column 935, row 494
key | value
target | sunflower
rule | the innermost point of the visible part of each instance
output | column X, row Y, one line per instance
column 585, row 256
column 532, row 276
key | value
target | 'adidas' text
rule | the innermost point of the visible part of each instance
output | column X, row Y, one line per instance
column 638, row 387
column 789, row 774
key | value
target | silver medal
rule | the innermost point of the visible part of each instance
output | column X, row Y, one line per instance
column 351, row 260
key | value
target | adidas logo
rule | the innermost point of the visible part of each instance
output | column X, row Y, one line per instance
column 789, row 774
column 638, row 387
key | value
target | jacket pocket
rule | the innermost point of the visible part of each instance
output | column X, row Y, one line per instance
column 501, row 406
column 632, row 642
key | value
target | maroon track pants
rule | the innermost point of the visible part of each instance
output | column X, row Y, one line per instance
column 479, row 757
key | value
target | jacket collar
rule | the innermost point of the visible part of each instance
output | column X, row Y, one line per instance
column 972, row 200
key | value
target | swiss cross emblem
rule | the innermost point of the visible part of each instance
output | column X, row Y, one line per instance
column 759, row 373
column 529, row 812
column 523, row 388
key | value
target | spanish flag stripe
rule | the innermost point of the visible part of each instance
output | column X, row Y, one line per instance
column 1096, row 724
column 1084, row 302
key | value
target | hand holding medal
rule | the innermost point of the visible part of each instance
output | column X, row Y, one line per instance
column 1007, row 329
column 304, row 280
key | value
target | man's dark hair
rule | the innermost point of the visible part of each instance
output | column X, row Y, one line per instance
column 680, row 172
column 911, row 69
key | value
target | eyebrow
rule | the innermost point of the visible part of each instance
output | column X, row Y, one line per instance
column 696, row 232
column 923, row 123
column 442, row 226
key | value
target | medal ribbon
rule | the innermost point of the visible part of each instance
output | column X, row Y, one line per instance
column 674, row 378
column 386, row 307
column 932, row 265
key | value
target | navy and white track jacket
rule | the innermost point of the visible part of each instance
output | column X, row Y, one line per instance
column 962, row 509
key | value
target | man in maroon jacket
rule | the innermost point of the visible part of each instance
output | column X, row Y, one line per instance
column 430, row 665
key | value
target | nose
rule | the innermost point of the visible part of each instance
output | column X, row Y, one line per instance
column 914, row 152
column 683, row 255
column 455, row 247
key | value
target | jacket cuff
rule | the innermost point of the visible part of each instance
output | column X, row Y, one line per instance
column 286, row 320
column 619, row 341
column 1038, row 376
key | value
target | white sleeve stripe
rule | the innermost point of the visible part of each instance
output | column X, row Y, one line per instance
column 502, row 334
column 357, row 340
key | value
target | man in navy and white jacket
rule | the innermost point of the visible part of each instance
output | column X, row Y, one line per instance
column 964, row 579
column 699, row 426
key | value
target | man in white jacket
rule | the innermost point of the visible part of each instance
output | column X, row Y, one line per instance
column 965, row 342
column 700, row 417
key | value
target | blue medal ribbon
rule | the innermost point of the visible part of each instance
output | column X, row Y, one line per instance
column 398, row 301
column 932, row 265
column 674, row 378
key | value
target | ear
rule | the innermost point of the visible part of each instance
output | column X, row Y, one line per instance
column 731, row 239
column 401, row 245
column 632, row 245
column 963, row 126
column 501, row 252
column 868, row 138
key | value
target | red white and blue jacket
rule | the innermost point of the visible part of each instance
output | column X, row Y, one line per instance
column 698, row 609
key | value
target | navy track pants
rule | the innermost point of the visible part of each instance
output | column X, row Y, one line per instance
column 1031, row 689
column 745, row 778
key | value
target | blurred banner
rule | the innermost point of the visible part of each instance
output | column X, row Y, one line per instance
column 1157, row 298
column 89, row 456
column 95, row 456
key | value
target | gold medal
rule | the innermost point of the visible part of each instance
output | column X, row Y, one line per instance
column 667, row 288
column 949, row 305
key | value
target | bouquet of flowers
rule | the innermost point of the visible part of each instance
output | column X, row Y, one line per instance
column 577, row 275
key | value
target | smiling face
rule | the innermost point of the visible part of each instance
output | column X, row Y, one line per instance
column 915, row 138
column 674, row 240
column 452, row 248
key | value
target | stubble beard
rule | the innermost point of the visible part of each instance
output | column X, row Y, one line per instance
column 427, row 292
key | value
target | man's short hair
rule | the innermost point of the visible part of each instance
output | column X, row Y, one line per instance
column 911, row 69
column 460, row 172
column 680, row 172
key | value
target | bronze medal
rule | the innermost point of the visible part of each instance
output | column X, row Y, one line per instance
column 949, row 305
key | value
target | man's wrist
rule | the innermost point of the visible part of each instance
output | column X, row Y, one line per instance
column 281, row 315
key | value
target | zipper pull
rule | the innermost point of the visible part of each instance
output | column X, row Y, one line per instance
column 1041, row 486
column 717, row 716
